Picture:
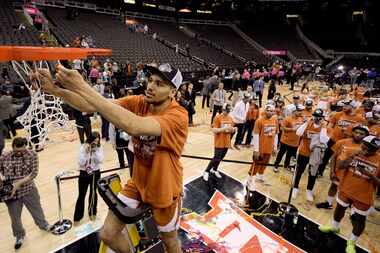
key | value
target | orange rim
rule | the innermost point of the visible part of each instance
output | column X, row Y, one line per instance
column 19, row 53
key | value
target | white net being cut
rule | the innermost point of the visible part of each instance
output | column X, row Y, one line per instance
column 45, row 111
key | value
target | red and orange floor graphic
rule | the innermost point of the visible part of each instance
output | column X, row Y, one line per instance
column 228, row 229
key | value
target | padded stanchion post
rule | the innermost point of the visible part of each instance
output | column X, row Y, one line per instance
column 62, row 225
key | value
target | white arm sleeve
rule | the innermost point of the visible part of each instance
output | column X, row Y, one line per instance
column 323, row 137
column 275, row 142
column 83, row 155
column 256, row 142
column 112, row 134
column 301, row 129
column 98, row 156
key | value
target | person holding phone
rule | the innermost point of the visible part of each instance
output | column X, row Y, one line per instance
column 90, row 159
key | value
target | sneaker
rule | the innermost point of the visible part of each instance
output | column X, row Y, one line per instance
column 295, row 193
column 324, row 205
column 48, row 228
column 309, row 196
column 205, row 176
column 328, row 229
column 217, row 174
column 275, row 169
column 259, row 178
column 350, row 248
column 19, row 242
column 251, row 183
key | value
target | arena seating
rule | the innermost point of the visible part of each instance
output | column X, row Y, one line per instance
column 222, row 34
column 342, row 37
column 170, row 32
column 278, row 37
column 109, row 32
column 9, row 33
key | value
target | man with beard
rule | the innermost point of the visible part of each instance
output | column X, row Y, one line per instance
column 159, row 126
column 340, row 149
column 265, row 135
column 357, row 185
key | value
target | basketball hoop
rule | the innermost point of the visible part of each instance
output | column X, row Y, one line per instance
column 45, row 110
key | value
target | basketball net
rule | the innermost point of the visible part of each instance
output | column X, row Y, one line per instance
column 45, row 111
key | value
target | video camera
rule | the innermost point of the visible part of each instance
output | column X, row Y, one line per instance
column 6, row 189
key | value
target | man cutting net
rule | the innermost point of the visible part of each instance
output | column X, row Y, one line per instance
column 159, row 127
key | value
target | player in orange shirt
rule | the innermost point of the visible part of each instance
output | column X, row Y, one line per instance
column 357, row 188
column 340, row 149
column 223, row 128
column 289, row 141
column 341, row 124
column 159, row 126
column 311, row 129
column 264, row 144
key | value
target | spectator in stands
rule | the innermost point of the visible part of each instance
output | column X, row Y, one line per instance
column 219, row 98
column 190, row 99
column 146, row 29
column 90, row 159
column 258, row 88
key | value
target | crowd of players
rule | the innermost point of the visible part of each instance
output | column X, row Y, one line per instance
column 335, row 126
column 325, row 125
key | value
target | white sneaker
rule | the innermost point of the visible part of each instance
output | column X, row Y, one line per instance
column 260, row 178
column 295, row 193
column 309, row 196
column 251, row 183
column 217, row 174
column 205, row 176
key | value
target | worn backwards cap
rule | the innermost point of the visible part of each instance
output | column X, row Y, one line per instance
column 309, row 102
column 361, row 127
column 372, row 141
column 167, row 73
column 269, row 107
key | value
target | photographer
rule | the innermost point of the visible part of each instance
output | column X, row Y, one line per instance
column 90, row 158
column 18, row 169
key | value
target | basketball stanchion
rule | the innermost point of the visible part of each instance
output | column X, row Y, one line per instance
column 62, row 225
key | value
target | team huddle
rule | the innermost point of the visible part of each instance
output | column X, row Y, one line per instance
column 339, row 129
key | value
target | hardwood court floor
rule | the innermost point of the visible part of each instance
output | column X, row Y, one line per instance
column 61, row 154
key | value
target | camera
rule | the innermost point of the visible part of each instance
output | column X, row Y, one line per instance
column 6, row 188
